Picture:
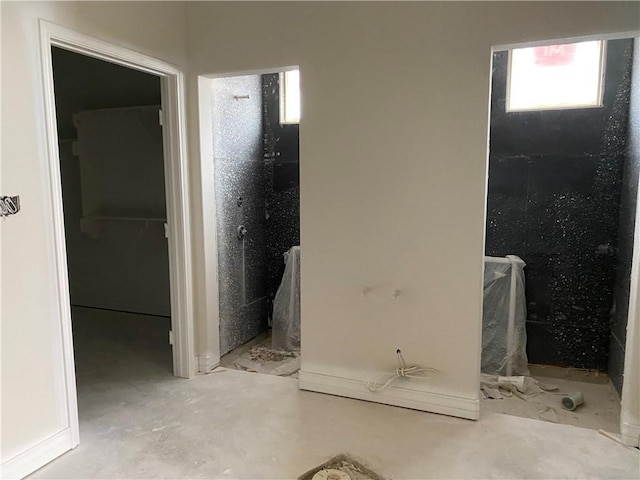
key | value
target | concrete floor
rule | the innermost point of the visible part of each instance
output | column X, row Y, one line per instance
column 600, row 410
column 137, row 421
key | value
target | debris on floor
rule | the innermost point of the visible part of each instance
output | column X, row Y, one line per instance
column 592, row 403
column 495, row 387
column 341, row 467
column 261, row 353
column 572, row 400
column 491, row 392
column 264, row 359
column 525, row 388
column 548, row 414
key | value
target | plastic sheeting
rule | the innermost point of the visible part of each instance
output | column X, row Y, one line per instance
column 285, row 332
column 504, row 338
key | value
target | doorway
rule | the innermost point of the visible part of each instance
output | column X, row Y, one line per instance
column 254, row 130
column 115, row 215
column 177, row 194
column 561, row 208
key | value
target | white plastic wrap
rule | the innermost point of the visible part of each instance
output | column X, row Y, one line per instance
column 285, row 334
column 504, row 337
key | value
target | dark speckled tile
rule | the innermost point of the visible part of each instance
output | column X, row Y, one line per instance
column 558, row 174
column 559, row 344
column 282, row 179
column 506, row 229
column 627, row 224
column 240, row 201
column 555, row 180
column 509, row 175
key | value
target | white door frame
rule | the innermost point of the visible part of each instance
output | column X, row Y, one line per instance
column 176, row 184
column 630, row 402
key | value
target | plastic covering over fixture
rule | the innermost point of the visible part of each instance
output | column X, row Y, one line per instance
column 286, row 305
column 504, row 338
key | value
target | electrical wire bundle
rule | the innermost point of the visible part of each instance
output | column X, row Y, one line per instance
column 384, row 381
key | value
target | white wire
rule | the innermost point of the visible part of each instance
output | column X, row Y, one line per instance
column 377, row 384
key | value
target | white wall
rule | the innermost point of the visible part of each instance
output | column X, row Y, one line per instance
column 31, row 364
column 393, row 166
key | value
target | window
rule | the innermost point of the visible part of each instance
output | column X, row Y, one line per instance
column 555, row 77
column 290, row 97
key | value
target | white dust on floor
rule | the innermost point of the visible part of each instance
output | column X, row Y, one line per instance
column 600, row 410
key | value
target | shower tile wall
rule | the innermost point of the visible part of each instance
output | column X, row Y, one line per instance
column 628, row 207
column 554, row 199
column 239, row 177
column 282, row 183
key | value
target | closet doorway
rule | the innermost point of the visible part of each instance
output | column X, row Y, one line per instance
column 97, row 198
column 113, row 187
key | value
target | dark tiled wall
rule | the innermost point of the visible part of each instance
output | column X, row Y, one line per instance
column 282, row 183
column 257, row 186
column 237, row 129
column 627, row 224
column 553, row 199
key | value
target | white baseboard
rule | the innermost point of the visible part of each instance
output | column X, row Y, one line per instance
column 22, row 464
column 394, row 395
column 630, row 434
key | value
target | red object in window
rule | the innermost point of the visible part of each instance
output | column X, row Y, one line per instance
column 555, row 55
